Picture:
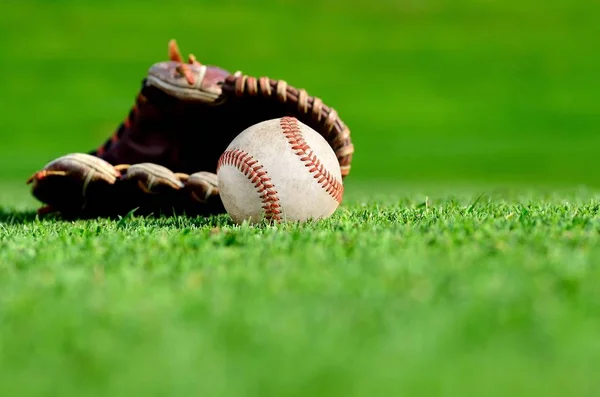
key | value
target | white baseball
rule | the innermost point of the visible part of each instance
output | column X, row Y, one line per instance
column 279, row 170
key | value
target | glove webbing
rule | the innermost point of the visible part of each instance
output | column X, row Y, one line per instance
column 318, row 116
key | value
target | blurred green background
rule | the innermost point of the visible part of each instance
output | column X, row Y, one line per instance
column 449, row 92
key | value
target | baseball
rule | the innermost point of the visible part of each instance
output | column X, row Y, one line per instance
column 279, row 170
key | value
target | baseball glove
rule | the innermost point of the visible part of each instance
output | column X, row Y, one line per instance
column 163, row 156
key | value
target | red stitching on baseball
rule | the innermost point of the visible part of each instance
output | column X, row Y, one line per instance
column 256, row 174
column 292, row 132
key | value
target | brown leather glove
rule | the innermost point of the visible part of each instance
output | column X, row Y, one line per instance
column 163, row 156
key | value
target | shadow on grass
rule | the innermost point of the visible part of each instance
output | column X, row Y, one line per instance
column 181, row 220
column 13, row 217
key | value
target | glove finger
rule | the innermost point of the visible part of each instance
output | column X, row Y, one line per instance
column 200, row 195
column 153, row 178
column 67, row 182
column 156, row 189
column 149, row 188
column 202, row 186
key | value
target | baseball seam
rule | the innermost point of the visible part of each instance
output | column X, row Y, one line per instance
column 293, row 134
column 257, row 175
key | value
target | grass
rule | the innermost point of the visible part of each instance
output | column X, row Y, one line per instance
column 466, row 294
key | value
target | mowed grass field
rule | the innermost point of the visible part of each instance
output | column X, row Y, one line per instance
column 463, row 261
column 388, row 297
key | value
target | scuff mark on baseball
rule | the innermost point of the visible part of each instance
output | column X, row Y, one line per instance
column 279, row 170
